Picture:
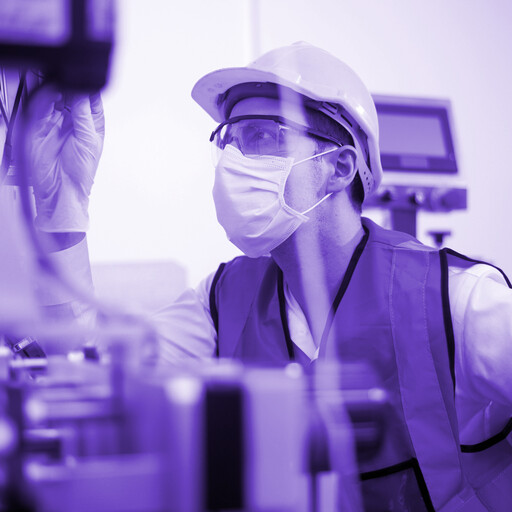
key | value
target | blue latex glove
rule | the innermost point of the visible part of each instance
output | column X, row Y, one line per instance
column 64, row 145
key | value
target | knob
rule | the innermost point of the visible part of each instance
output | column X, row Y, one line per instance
column 439, row 237
column 417, row 198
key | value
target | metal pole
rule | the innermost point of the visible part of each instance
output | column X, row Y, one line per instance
column 253, row 15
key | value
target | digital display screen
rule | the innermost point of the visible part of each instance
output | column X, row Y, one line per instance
column 415, row 137
column 411, row 135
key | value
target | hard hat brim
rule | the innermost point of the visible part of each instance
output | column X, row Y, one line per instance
column 208, row 89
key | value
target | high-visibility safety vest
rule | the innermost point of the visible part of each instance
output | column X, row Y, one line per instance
column 392, row 311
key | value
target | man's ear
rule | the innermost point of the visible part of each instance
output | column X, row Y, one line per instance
column 344, row 171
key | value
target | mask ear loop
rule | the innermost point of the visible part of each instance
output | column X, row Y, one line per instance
column 311, row 158
column 315, row 156
column 318, row 203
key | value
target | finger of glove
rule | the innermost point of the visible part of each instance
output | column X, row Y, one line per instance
column 82, row 120
column 97, row 113
column 43, row 146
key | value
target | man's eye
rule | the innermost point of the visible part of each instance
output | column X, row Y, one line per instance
column 258, row 138
column 257, row 134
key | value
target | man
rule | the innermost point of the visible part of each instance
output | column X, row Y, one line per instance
column 297, row 154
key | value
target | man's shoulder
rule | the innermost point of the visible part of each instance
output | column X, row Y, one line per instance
column 246, row 263
column 472, row 271
column 379, row 235
column 243, row 269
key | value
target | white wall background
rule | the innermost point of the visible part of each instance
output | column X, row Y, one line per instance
column 152, row 197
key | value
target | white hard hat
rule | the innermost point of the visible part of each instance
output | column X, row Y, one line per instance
column 316, row 74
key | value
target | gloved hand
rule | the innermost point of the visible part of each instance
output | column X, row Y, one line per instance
column 63, row 147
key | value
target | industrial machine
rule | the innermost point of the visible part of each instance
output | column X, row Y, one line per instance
column 418, row 155
column 112, row 435
column 68, row 41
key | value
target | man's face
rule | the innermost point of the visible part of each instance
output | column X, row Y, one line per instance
column 306, row 183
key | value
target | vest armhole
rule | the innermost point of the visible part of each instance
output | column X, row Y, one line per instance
column 488, row 443
column 451, row 252
column 445, row 296
column 214, row 313
column 507, row 429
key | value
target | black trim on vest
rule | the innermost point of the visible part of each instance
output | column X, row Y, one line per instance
column 480, row 447
column 282, row 312
column 402, row 466
column 214, row 313
column 334, row 307
column 450, row 338
column 471, row 260
column 447, row 315
column 344, row 285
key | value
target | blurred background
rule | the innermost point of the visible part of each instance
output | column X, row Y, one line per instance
column 152, row 198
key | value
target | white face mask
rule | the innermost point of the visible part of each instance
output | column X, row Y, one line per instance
column 249, row 199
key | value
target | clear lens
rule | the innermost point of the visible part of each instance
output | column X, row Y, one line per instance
column 258, row 137
column 262, row 135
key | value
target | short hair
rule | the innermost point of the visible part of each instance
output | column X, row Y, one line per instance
column 324, row 124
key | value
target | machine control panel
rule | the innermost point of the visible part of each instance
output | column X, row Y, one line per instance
column 418, row 155
column 427, row 198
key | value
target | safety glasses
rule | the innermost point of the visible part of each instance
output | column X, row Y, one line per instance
column 264, row 135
